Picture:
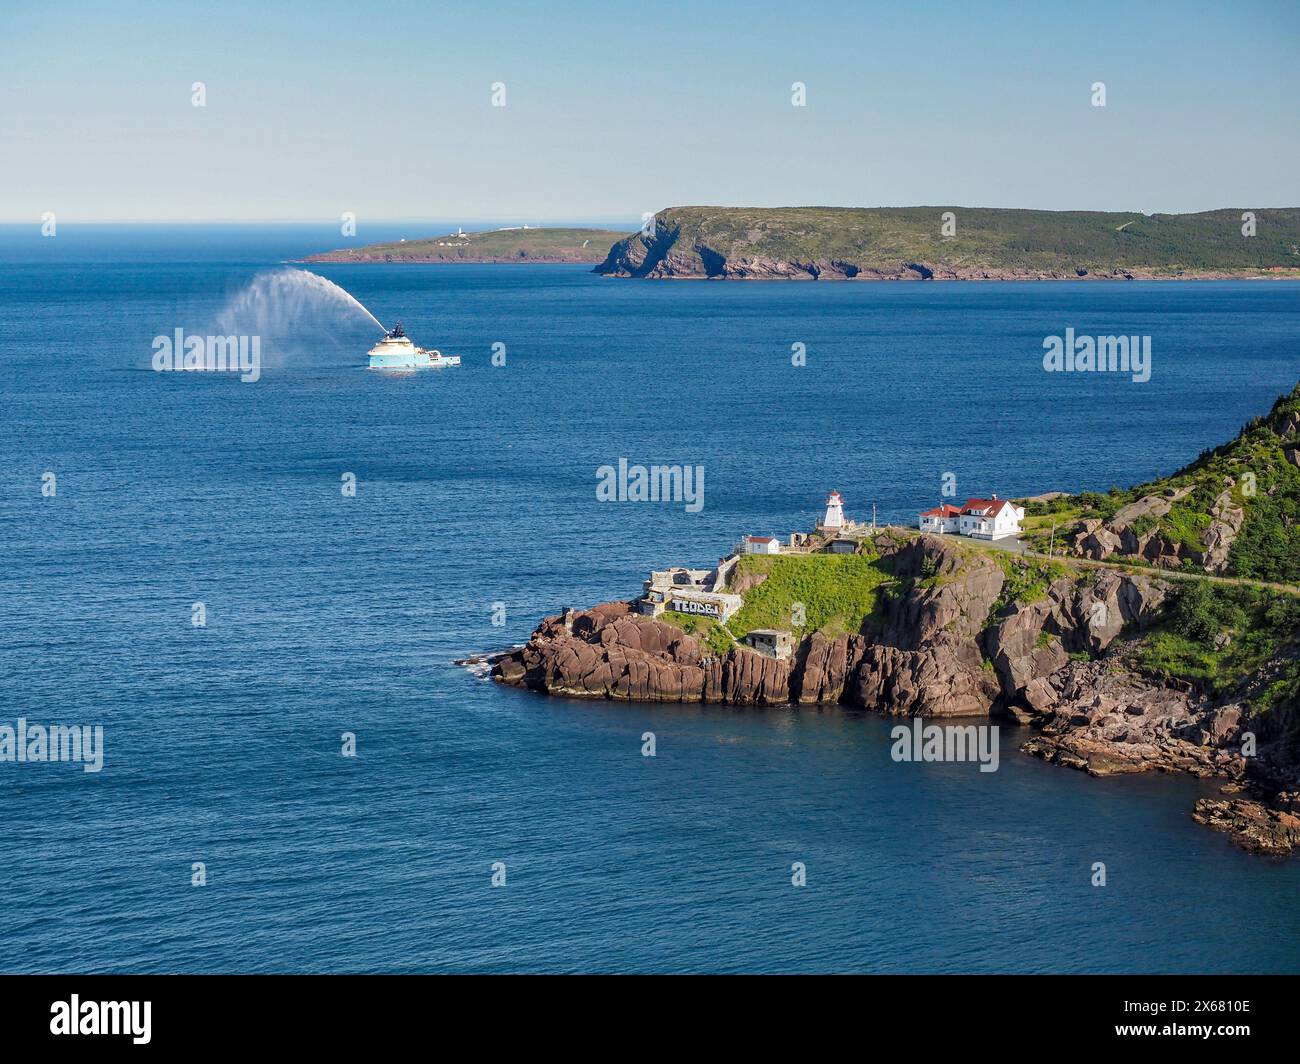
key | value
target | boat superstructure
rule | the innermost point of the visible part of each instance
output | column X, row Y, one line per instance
column 396, row 351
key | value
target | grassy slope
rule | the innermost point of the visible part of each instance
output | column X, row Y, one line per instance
column 524, row 245
column 1268, row 545
column 1213, row 636
column 992, row 238
column 706, row 629
column 838, row 592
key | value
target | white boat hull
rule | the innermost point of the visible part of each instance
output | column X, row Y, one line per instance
column 400, row 353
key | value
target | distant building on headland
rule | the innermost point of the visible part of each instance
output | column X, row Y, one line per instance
column 762, row 545
column 835, row 523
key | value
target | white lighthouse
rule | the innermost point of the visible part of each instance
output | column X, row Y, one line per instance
column 834, row 519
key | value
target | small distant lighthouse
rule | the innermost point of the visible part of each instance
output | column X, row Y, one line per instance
column 834, row 519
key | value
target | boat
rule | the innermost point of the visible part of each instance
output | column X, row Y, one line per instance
column 396, row 351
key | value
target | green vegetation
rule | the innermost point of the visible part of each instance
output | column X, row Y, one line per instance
column 1027, row 579
column 1063, row 505
column 719, row 640
column 1040, row 519
column 1268, row 547
column 498, row 245
column 1283, row 694
column 837, row 591
column 1215, row 634
column 706, row 629
column 1065, row 243
column 1188, row 519
column 1260, row 467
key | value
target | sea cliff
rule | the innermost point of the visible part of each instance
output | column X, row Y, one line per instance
column 1111, row 665
column 955, row 243
column 963, row 631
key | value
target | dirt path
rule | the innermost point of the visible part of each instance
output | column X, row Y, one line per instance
column 1015, row 545
column 1170, row 574
column 1149, row 570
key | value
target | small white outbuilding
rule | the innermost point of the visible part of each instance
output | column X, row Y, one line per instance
column 762, row 545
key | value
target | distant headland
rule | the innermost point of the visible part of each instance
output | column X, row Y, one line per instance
column 888, row 243
column 517, row 244
column 957, row 243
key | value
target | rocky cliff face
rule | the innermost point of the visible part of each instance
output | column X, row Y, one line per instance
column 1233, row 511
column 1134, row 531
column 955, row 641
column 668, row 253
column 812, row 243
column 950, row 644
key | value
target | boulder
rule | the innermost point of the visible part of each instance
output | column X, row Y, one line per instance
column 1217, row 540
column 1252, row 825
column 946, row 678
column 826, row 667
column 1153, row 506
column 1013, row 647
column 1099, row 543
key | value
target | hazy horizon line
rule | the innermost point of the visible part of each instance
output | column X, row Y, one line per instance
column 617, row 224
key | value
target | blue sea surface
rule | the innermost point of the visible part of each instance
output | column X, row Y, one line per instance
column 475, row 496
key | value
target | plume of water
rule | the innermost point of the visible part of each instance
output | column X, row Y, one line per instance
column 295, row 310
column 282, row 299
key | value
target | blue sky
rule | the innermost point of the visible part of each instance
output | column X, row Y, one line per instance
column 617, row 108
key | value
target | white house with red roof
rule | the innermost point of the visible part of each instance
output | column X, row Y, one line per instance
column 941, row 519
column 762, row 545
column 991, row 518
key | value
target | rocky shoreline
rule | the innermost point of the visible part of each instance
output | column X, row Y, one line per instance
column 955, row 640
column 690, row 267
column 955, row 244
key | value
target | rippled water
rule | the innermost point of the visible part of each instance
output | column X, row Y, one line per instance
column 328, row 614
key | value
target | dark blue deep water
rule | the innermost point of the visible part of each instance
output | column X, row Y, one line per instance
column 328, row 614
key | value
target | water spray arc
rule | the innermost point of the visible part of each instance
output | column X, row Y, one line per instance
column 280, row 302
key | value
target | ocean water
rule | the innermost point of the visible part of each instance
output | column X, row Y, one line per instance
column 475, row 498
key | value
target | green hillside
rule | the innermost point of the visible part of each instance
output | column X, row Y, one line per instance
column 496, row 245
column 1234, row 511
column 837, row 592
column 846, row 242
